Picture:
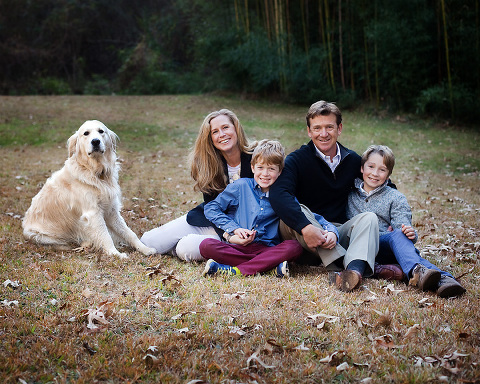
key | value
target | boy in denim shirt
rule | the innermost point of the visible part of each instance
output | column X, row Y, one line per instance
column 253, row 244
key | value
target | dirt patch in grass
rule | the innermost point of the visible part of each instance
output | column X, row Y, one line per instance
column 174, row 326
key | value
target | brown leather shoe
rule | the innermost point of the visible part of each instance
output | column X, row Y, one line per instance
column 449, row 287
column 424, row 278
column 345, row 281
column 389, row 272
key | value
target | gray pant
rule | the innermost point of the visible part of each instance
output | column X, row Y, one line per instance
column 358, row 240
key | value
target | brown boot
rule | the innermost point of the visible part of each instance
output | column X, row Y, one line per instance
column 424, row 278
column 389, row 272
column 449, row 287
column 345, row 281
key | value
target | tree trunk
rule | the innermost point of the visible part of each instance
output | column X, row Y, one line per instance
column 340, row 43
column 447, row 56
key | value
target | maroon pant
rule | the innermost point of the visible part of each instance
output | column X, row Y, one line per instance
column 252, row 258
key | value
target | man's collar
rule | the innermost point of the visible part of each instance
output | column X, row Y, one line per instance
column 326, row 158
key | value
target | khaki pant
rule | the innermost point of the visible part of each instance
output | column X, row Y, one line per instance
column 358, row 240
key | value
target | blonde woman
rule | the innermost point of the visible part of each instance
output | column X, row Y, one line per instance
column 220, row 156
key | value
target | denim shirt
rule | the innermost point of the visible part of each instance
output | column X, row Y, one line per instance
column 243, row 205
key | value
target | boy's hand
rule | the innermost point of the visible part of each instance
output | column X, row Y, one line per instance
column 314, row 237
column 243, row 233
column 408, row 231
column 331, row 241
column 236, row 239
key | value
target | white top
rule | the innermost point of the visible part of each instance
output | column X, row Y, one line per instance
column 233, row 173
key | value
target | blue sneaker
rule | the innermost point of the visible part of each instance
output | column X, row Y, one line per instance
column 212, row 268
column 280, row 271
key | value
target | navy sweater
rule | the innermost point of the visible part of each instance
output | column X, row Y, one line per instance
column 310, row 179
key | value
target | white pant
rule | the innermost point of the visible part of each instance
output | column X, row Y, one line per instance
column 179, row 238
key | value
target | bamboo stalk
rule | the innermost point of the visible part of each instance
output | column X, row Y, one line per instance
column 329, row 47
column 447, row 56
column 340, row 43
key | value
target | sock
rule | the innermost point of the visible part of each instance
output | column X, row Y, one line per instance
column 357, row 265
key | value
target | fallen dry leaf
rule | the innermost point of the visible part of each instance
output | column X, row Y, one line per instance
column 152, row 349
column 463, row 335
column 151, row 360
column 180, row 315
column 302, row 347
column 98, row 315
column 334, row 358
column 367, row 300
column 12, row 284
column 390, row 289
column 385, row 319
column 254, row 358
column 366, row 380
column 10, row 303
column 237, row 331
column 330, row 319
column 385, row 341
column 343, row 367
column 237, row 295
column 87, row 293
column 425, row 302
column 412, row 331
column 170, row 282
column 272, row 346
column 155, row 270
column 89, row 349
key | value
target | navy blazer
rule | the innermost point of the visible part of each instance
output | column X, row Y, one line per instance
column 196, row 216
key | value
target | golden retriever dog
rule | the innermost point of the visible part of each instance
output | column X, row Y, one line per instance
column 80, row 204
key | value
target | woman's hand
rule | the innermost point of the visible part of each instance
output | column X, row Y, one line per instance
column 408, row 231
column 243, row 236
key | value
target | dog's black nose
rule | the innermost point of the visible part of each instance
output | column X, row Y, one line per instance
column 96, row 142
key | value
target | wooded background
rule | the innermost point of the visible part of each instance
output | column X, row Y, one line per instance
column 417, row 56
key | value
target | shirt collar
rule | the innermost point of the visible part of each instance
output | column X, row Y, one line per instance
column 332, row 163
column 368, row 194
column 257, row 187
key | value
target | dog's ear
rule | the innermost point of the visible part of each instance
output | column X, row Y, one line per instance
column 72, row 144
column 113, row 139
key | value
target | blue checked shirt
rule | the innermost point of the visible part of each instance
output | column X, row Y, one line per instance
column 243, row 205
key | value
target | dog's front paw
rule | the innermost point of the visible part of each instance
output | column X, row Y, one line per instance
column 122, row 255
column 147, row 251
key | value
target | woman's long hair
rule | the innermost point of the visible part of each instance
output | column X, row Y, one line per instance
column 205, row 161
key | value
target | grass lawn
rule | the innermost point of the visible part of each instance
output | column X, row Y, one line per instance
column 165, row 323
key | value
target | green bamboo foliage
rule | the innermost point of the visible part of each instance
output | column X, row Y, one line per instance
column 388, row 52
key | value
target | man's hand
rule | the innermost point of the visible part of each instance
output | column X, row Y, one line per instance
column 408, row 231
column 314, row 237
